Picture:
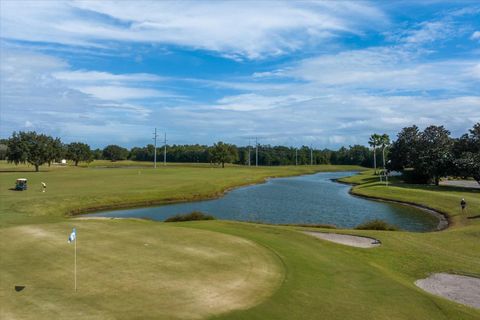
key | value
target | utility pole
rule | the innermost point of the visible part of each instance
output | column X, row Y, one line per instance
column 155, row 136
column 296, row 156
column 165, row 150
column 384, row 167
column 249, row 157
column 256, row 152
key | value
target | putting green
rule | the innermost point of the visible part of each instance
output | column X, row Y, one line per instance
column 131, row 269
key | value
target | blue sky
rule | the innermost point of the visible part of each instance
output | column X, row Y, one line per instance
column 325, row 73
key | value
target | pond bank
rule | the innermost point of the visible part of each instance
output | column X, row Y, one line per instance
column 444, row 221
column 305, row 199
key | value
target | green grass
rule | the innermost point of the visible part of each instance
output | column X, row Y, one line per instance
column 131, row 269
column 444, row 199
column 216, row 269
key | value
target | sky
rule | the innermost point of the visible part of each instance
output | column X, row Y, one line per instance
column 319, row 73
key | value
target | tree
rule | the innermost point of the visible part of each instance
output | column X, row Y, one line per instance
column 469, row 165
column 223, row 153
column 466, row 152
column 374, row 142
column 384, row 143
column 36, row 149
column 3, row 149
column 56, row 151
column 434, row 153
column 97, row 154
column 115, row 153
column 77, row 151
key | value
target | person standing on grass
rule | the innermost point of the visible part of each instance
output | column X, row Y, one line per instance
column 463, row 204
column 44, row 186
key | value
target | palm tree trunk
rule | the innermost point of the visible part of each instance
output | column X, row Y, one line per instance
column 375, row 159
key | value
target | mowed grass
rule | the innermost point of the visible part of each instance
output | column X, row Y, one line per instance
column 132, row 269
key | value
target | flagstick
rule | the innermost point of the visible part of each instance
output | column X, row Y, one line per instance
column 75, row 262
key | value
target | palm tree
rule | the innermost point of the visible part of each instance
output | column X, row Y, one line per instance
column 374, row 142
column 384, row 142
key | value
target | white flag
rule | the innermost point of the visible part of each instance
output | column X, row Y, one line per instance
column 73, row 235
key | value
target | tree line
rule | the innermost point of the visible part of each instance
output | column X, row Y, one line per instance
column 422, row 156
column 39, row 149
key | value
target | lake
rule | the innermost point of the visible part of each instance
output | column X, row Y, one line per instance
column 303, row 199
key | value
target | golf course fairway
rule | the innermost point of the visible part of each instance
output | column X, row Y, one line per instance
column 138, row 269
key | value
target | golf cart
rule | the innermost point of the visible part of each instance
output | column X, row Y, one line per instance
column 21, row 184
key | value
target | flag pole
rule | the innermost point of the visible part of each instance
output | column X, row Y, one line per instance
column 75, row 268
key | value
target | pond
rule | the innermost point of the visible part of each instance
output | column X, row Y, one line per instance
column 309, row 199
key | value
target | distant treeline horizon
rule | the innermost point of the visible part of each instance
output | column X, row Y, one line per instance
column 201, row 153
column 422, row 156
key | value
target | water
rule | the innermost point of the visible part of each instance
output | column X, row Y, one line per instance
column 303, row 199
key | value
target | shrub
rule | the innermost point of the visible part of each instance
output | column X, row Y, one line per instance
column 311, row 225
column 376, row 225
column 195, row 215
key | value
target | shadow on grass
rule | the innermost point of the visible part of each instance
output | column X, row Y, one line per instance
column 22, row 170
column 425, row 187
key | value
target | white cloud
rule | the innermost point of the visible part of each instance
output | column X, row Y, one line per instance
column 328, row 120
column 120, row 92
column 39, row 92
column 95, row 76
column 429, row 31
column 475, row 35
column 234, row 29
column 251, row 101
column 385, row 69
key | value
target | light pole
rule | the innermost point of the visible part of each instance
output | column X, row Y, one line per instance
column 165, row 150
column 155, row 146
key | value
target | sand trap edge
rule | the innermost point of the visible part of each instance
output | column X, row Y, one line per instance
column 457, row 288
column 346, row 239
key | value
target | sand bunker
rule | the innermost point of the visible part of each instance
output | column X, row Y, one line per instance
column 461, row 289
column 348, row 240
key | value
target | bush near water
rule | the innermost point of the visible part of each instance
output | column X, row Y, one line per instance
column 193, row 216
column 376, row 225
